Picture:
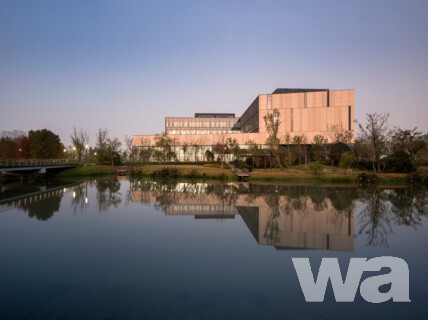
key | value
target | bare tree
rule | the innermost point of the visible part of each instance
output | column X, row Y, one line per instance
column 272, row 123
column 101, row 145
column 375, row 133
column 317, row 148
column 130, row 147
column 185, row 147
column 410, row 141
column 146, row 151
column 253, row 149
column 79, row 139
column 337, row 133
column 299, row 141
column 221, row 147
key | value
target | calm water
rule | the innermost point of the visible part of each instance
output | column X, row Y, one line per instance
column 154, row 250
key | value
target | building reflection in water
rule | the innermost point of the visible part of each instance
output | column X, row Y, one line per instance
column 283, row 216
column 286, row 217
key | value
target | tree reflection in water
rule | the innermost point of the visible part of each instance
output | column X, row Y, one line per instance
column 383, row 208
column 41, row 207
column 108, row 194
column 379, row 210
column 80, row 196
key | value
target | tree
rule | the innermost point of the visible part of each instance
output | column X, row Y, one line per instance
column 346, row 160
column 185, row 147
column 196, row 148
column 410, row 141
column 317, row 149
column 24, row 146
column 130, row 147
column 163, row 144
column 375, row 134
column 101, row 145
column 233, row 147
column 112, row 150
column 315, row 167
column 336, row 151
column 79, row 139
column 289, row 158
column 45, row 144
column 360, row 150
column 337, row 133
column 145, row 154
column 400, row 161
column 221, row 148
column 209, row 155
column 8, row 148
column 272, row 124
column 299, row 141
column 253, row 149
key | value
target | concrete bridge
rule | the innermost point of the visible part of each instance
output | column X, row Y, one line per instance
column 26, row 167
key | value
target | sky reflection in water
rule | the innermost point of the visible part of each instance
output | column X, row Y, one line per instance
column 141, row 249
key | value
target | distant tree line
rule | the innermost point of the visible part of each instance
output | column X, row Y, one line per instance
column 44, row 144
column 37, row 144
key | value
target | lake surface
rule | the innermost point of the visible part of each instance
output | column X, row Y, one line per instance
column 121, row 249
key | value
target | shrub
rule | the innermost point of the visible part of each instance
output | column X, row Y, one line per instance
column 212, row 165
column 287, row 161
column 315, row 167
column 166, row 172
column 368, row 178
column 209, row 155
column 193, row 174
column 336, row 152
column 400, row 161
column 417, row 178
column 346, row 160
column 242, row 165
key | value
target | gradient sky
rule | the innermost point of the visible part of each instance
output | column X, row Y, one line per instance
column 125, row 65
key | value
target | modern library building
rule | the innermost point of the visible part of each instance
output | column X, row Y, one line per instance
column 308, row 112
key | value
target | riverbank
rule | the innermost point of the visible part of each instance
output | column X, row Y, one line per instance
column 91, row 170
column 184, row 171
column 331, row 177
column 276, row 175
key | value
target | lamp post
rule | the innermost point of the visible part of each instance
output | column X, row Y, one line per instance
column 74, row 149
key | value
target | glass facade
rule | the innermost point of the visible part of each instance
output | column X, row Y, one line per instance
column 250, row 119
column 201, row 125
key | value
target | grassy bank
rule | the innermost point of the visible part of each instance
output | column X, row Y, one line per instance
column 205, row 172
column 350, row 177
column 212, row 172
column 91, row 170
column 185, row 171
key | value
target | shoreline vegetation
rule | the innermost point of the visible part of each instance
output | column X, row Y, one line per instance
column 209, row 171
column 214, row 172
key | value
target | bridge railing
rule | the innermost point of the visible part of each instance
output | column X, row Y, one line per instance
column 34, row 162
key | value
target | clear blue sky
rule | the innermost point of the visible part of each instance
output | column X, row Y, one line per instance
column 125, row 65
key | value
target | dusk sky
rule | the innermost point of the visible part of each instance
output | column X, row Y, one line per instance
column 125, row 65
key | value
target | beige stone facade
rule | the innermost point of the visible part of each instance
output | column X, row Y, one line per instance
column 307, row 112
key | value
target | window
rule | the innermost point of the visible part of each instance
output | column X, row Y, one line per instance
column 349, row 118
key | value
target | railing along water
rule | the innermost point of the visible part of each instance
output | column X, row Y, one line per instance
column 10, row 163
